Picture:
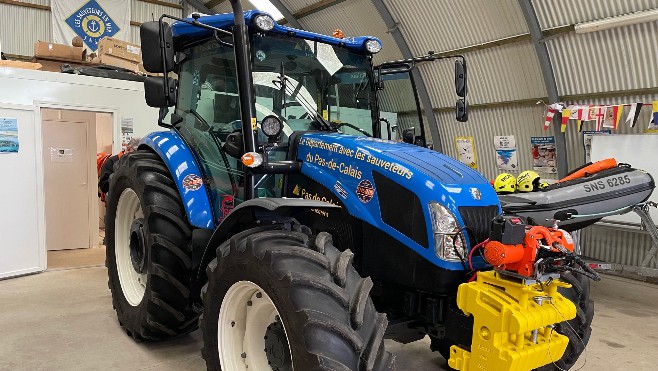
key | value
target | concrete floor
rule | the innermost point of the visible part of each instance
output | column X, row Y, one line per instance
column 63, row 320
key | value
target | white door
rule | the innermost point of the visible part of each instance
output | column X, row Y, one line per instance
column 66, row 184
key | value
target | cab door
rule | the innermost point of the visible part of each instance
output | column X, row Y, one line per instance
column 399, row 107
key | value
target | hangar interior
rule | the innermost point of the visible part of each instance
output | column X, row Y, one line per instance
column 531, row 64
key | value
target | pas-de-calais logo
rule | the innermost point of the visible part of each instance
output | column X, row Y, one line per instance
column 92, row 23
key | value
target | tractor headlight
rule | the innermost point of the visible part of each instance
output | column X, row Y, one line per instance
column 264, row 22
column 448, row 238
column 373, row 46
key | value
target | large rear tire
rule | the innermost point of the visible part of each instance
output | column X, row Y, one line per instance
column 148, row 250
column 290, row 301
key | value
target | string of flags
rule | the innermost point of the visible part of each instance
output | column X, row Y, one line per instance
column 605, row 116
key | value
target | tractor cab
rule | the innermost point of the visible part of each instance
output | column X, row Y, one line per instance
column 298, row 82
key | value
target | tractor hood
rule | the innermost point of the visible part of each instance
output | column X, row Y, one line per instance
column 377, row 179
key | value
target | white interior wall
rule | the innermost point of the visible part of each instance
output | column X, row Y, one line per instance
column 22, row 234
column 22, row 221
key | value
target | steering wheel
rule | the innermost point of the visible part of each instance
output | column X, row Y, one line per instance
column 339, row 125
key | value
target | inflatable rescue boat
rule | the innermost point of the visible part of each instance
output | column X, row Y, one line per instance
column 579, row 201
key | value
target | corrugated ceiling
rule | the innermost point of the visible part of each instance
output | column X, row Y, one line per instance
column 555, row 13
column 451, row 24
column 355, row 18
column 506, row 73
column 611, row 60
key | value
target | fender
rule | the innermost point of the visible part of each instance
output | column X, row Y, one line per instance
column 182, row 165
column 256, row 209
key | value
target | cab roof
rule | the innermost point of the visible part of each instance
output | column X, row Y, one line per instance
column 225, row 21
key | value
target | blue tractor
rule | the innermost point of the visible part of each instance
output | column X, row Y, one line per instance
column 292, row 244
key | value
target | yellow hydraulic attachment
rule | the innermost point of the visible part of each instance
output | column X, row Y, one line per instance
column 513, row 323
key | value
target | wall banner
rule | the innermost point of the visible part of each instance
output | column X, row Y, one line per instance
column 92, row 20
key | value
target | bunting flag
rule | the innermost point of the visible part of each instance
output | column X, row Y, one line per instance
column 566, row 115
column 549, row 118
column 583, row 115
column 616, row 115
column 599, row 116
column 634, row 114
column 609, row 118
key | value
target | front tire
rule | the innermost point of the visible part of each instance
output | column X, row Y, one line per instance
column 269, row 282
column 148, row 250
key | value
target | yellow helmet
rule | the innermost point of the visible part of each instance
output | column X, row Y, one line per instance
column 528, row 181
column 505, row 183
column 544, row 185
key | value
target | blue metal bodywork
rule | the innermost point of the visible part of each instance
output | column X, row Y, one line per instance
column 225, row 21
column 181, row 164
column 341, row 162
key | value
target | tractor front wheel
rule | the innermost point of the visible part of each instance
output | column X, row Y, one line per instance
column 286, row 300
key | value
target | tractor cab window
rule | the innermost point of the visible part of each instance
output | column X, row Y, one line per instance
column 309, row 85
column 398, row 104
column 209, row 106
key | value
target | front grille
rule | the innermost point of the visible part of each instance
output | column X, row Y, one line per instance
column 478, row 220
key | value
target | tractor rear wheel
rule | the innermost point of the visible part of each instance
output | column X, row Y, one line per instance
column 287, row 300
column 148, row 250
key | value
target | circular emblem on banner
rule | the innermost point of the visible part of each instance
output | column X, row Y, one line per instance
column 93, row 26
column 192, row 182
column 365, row 191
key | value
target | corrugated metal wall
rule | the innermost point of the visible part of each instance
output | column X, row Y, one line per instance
column 484, row 124
column 21, row 27
column 617, row 245
column 506, row 73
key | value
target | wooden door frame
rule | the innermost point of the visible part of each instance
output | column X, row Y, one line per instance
column 93, row 206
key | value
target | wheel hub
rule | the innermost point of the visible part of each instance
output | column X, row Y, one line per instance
column 276, row 347
column 137, row 245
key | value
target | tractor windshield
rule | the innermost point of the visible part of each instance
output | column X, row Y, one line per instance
column 308, row 83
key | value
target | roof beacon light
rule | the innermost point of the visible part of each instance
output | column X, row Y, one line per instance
column 264, row 22
column 252, row 159
column 338, row 33
column 373, row 46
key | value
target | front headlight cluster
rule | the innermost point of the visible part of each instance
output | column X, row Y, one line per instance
column 448, row 239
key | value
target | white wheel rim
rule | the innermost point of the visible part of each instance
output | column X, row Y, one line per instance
column 241, row 327
column 133, row 284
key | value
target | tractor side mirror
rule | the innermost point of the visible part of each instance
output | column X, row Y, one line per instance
column 461, row 110
column 234, row 145
column 408, row 135
column 461, row 86
column 152, row 53
column 157, row 93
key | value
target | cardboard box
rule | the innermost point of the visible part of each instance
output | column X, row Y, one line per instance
column 119, row 48
column 44, row 49
column 111, row 60
column 19, row 64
